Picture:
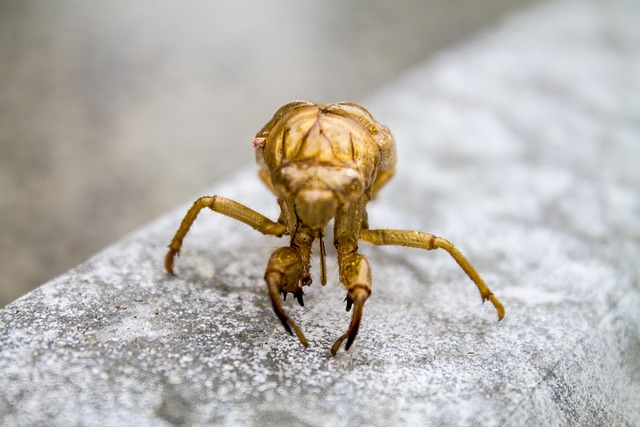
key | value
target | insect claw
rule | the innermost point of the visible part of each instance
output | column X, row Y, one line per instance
column 349, row 302
column 169, row 258
column 338, row 343
column 353, row 331
column 298, row 296
column 497, row 304
column 356, row 317
column 289, row 325
column 285, row 323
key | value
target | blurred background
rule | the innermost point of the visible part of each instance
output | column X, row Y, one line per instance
column 113, row 112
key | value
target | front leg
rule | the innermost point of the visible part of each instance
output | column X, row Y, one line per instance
column 415, row 239
column 226, row 207
column 355, row 272
column 285, row 272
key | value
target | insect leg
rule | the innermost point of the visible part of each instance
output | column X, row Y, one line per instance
column 415, row 239
column 226, row 207
column 284, row 271
column 355, row 274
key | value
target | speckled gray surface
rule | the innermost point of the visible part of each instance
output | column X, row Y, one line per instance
column 521, row 148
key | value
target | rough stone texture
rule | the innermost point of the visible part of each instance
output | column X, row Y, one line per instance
column 520, row 147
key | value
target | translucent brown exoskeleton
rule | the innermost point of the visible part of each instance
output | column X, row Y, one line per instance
column 323, row 163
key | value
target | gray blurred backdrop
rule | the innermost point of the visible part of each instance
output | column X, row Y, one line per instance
column 113, row 112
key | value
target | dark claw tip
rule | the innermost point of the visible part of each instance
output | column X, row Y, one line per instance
column 352, row 336
column 299, row 297
column 286, row 326
column 349, row 304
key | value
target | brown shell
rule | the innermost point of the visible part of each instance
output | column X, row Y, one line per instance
column 339, row 136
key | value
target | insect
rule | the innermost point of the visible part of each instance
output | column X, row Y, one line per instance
column 323, row 162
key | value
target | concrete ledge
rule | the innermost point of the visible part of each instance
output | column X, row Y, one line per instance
column 520, row 147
